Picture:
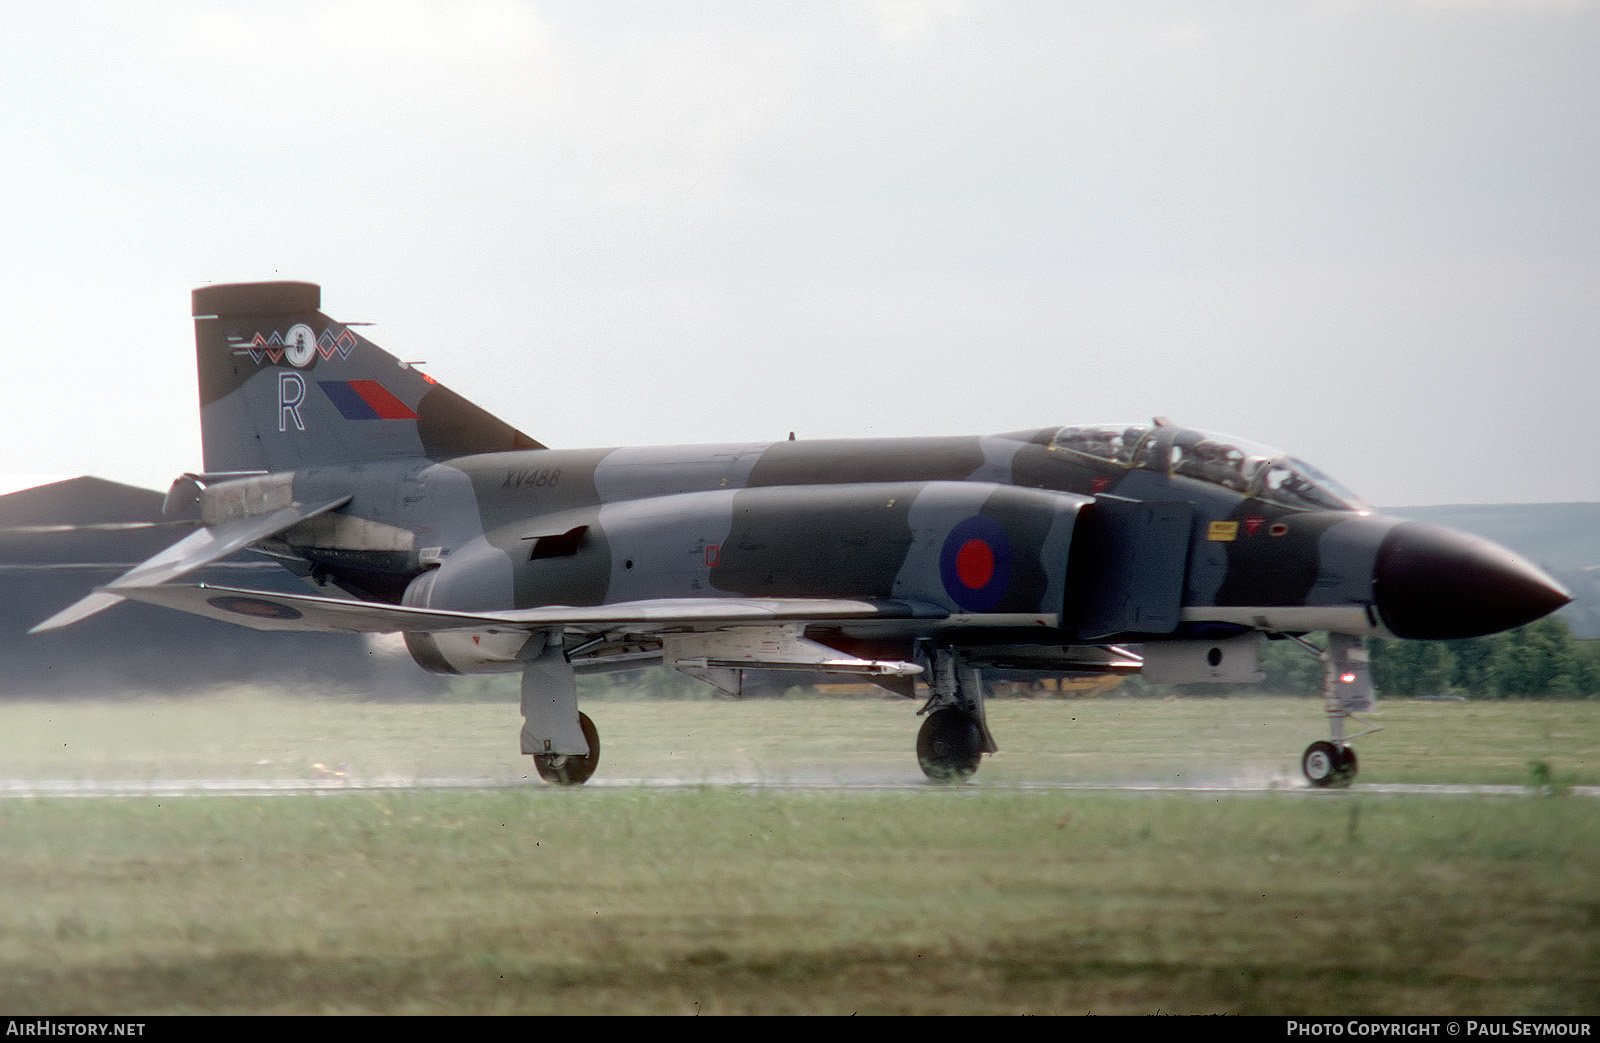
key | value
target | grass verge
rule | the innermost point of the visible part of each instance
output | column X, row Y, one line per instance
column 731, row 899
column 723, row 900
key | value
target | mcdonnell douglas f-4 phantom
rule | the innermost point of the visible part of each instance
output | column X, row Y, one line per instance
column 920, row 564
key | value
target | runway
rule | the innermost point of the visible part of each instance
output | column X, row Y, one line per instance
column 337, row 784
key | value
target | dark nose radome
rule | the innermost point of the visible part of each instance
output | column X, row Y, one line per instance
column 1436, row 583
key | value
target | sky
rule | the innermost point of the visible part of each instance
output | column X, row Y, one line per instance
column 1364, row 231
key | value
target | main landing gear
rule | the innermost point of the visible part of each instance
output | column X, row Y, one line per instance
column 954, row 737
column 564, row 744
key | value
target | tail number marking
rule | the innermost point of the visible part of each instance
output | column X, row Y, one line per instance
column 543, row 478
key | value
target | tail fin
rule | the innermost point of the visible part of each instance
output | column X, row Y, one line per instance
column 282, row 386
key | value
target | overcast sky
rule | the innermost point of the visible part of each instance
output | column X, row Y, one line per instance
column 1365, row 232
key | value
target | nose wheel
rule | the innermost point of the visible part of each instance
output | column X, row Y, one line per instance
column 1327, row 765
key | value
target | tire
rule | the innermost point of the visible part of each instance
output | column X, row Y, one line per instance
column 1326, row 765
column 1348, row 765
column 949, row 745
column 571, row 769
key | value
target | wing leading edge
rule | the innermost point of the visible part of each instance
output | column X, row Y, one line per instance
column 270, row 610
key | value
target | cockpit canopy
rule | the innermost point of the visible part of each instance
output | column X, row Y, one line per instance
column 1245, row 468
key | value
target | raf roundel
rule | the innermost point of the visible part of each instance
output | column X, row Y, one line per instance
column 258, row 607
column 975, row 564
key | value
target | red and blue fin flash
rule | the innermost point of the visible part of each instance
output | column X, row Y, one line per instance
column 365, row 400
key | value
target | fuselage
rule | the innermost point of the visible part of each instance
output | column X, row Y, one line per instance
column 1092, row 533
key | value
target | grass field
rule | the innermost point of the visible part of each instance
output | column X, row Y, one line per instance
column 258, row 735
column 986, row 898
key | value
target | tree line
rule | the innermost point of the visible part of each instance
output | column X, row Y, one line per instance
column 1539, row 661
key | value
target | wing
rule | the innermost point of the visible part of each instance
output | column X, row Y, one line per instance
column 194, row 551
column 270, row 610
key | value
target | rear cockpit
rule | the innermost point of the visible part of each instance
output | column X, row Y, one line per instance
column 1243, row 467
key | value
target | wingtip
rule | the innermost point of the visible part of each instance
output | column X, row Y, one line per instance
column 78, row 611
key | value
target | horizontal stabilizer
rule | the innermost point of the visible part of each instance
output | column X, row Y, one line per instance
column 194, row 551
column 269, row 610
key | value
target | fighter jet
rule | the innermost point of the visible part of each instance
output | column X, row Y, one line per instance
column 920, row 564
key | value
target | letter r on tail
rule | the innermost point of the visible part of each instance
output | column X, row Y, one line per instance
column 291, row 393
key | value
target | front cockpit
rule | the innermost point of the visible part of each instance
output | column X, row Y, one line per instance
column 1242, row 467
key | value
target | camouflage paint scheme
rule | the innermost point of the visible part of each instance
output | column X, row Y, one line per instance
column 918, row 563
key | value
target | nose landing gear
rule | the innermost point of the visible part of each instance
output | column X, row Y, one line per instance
column 1346, row 690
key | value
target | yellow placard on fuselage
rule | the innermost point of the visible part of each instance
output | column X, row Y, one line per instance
column 1222, row 531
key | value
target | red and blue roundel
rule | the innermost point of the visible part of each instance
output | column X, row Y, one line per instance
column 975, row 564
